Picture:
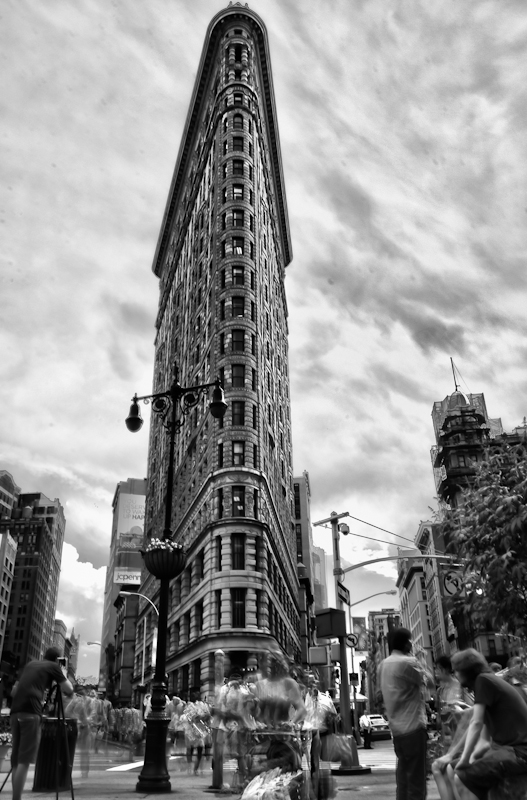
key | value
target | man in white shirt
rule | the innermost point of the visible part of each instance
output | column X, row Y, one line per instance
column 365, row 730
column 403, row 681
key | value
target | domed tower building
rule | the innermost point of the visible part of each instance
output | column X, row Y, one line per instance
column 462, row 429
column 221, row 256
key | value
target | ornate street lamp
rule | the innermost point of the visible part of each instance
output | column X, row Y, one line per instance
column 165, row 560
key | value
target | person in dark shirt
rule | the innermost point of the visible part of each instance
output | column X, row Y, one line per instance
column 495, row 743
column 26, row 713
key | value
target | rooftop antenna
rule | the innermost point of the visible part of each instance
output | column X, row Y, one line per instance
column 454, row 374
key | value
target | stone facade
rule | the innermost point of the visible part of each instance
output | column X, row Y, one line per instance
column 221, row 257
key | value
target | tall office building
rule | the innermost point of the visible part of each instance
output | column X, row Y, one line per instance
column 320, row 583
column 304, row 555
column 38, row 525
column 124, row 568
column 220, row 259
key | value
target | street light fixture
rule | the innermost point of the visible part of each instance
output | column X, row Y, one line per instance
column 357, row 602
column 129, row 594
column 171, row 406
column 100, row 645
column 138, row 594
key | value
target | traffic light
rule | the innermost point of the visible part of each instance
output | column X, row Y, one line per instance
column 336, row 674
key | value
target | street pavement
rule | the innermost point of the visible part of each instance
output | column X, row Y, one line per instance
column 114, row 774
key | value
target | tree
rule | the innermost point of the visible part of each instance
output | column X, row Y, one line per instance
column 489, row 532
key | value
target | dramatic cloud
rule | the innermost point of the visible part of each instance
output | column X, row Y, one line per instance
column 80, row 605
column 403, row 136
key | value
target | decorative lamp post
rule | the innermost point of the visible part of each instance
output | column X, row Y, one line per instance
column 165, row 560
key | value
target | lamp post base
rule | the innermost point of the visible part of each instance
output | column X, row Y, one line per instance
column 350, row 764
column 154, row 777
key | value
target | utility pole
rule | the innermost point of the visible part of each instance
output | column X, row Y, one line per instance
column 350, row 764
column 345, row 706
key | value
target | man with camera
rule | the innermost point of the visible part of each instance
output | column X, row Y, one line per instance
column 26, row 712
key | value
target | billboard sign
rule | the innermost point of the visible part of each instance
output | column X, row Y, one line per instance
column 127, row 575
column 129, row 539
column 360, row 631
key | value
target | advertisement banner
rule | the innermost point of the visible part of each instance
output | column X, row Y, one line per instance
column 129, row 539
column 127, row 575
column 360, row 631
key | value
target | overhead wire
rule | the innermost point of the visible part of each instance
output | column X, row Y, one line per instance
column 381, row 541
column 382, row 529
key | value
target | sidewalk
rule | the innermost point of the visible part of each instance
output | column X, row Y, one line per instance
column 116, row 782
column 119, row 781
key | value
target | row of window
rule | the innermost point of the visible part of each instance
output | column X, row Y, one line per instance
column 236, row 246
column 239, row 414
column 237, row 276
column 238, row 451
column 238, row 503
column 237, row 170
column 237, row 308
column 237, row 124
column 237, row 192
column 238, row 339
column 236, row 50
column 238, row 99
column 237, row 217
column 237, row 146
column 238, row 377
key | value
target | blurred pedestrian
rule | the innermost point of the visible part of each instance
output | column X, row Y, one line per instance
column 280, row 707
column 79, row 708
column 175, row 708
column 98, row 719
column 195, row 718
column 319, row 720
column 366, row 730
column 453, row 699
column 403, row 681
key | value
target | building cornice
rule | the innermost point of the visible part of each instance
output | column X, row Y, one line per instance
column 219, row 24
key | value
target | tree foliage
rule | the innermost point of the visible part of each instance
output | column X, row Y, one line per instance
column 489, row 532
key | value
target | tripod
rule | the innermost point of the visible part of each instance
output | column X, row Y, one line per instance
column 6, row 778
column 62, row 726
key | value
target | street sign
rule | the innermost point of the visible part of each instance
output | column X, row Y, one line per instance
column 343, row 593
column 352, row 640
column 453, row 583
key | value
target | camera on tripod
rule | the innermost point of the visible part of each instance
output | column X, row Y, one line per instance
column 63, row 664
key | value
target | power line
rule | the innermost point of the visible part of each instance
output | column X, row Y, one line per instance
column 381, row 529
column 361, row 536
column 382, row 541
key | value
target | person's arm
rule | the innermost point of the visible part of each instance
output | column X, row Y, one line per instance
column 473, row 734
column 66, row 687
column 482, row 746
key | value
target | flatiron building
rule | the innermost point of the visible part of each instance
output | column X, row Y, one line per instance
column 221, row 256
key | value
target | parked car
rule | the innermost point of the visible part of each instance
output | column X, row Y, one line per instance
column 380, row 727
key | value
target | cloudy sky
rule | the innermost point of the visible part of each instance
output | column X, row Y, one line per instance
column 403, row 139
